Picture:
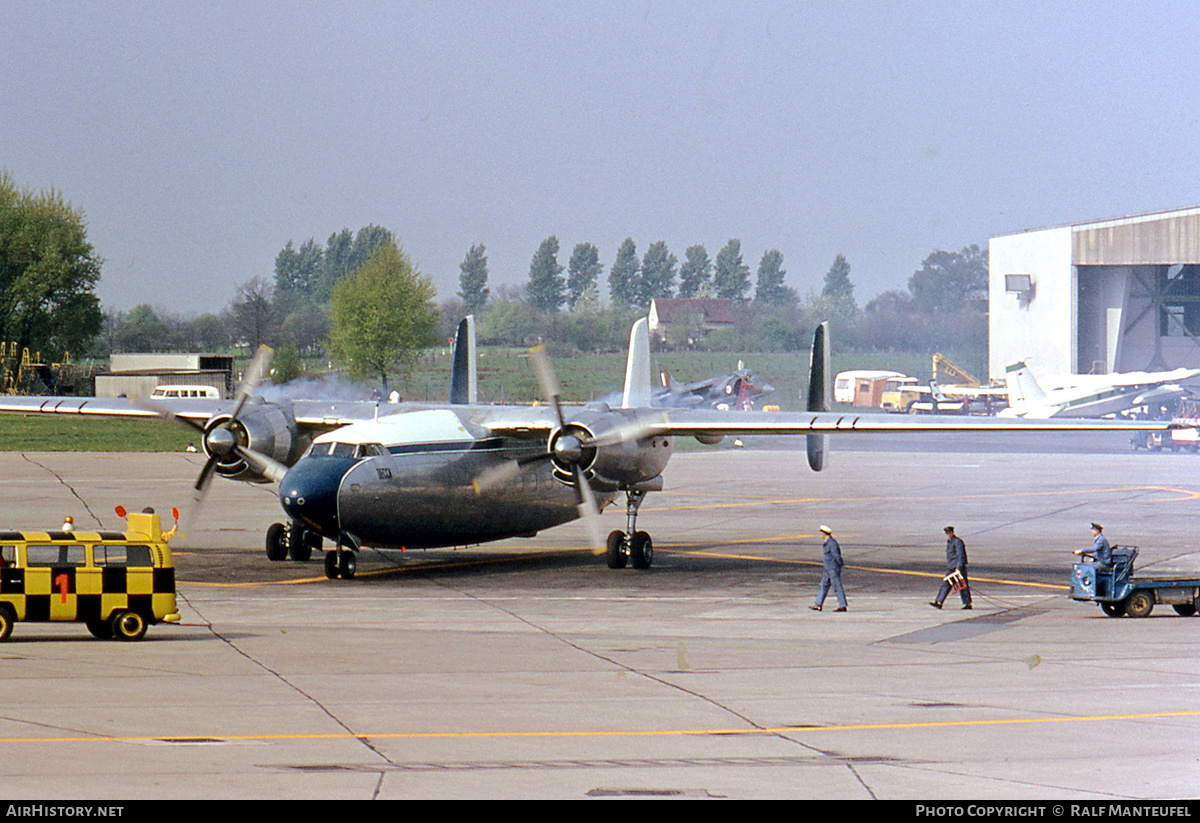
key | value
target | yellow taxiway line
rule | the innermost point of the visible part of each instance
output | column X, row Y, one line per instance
column 781, row 730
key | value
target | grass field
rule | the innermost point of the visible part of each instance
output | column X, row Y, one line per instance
column 505, row 376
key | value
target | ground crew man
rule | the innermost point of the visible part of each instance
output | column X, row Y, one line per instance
column 68, row 524
column 831, row 564
column 956, row 571
column 1099, row 549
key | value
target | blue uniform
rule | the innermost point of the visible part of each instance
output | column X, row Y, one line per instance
column 831, row 563
column 1101, row 551
column 956, row 561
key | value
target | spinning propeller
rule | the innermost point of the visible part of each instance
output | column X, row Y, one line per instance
column 570, row 446
column 221, row 441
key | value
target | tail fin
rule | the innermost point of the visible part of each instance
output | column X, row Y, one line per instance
column 464, row 385
column 1022, row 385
column 820, row 393
column 637, row 367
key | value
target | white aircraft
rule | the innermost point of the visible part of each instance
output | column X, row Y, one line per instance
column 1090, row 395
column 429, row 475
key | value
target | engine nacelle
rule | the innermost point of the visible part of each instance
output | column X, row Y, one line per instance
column 266, row 428
column 623, row 464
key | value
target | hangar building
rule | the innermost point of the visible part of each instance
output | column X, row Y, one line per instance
column 1110, row 296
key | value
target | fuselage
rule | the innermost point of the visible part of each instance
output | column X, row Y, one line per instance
column 409, row 481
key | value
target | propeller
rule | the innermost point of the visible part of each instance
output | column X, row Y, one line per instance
column 569, row 446
column 221, row 441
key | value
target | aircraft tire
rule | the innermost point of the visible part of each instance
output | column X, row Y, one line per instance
column 641, row 553
column 276, row 547
column 7, row 618
column 614, row 554
column 331, row 565
column 1184, row 609
column 1113, row 609
column 298, row 548
column 347, row 564
column 128, row 625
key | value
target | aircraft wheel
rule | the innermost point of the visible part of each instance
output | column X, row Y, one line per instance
column 1139, row 604
column 1113, row 609
column 276, row 547
column 347, row 564
column 641, row 553
column 128, row 625
column 298, row 547
column 100, row 629
column 331, row 565
column 1184, row 609
column 615, row 550
column 7, row 618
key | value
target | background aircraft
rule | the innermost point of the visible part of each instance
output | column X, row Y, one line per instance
column 740, row 390
column 413, row 475
column 1091, row 395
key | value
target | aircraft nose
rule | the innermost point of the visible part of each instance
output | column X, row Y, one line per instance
column 308, row 493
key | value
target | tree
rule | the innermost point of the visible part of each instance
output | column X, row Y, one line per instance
column 949, row 281
column 473, row 280
column 839, row 290
column 141, row 330
column 770, row 288
column 381, row 316
column 48, row 273
column 583, row 271
column 622, row 277
column 252, row 314
column 546, row 282
column 732, row 276
column 695, row 274
column 299, row 271
column 658, row 274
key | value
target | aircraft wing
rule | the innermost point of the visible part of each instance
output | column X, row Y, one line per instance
column 738, row 423
column 313, row 415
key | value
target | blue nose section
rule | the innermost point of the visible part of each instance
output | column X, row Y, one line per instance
column 309, row 492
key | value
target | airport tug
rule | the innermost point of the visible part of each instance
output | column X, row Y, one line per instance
column 117, row 583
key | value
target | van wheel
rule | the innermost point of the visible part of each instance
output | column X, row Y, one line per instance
column 100, row 629
column 7, row 618
column 128, row 626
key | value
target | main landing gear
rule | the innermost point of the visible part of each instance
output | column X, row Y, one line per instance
column 298, row 543
column 631, row 546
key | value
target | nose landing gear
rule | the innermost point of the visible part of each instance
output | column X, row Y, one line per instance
column 291, row 540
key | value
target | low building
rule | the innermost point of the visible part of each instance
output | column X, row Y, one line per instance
column 138, row 374
column 691, row 315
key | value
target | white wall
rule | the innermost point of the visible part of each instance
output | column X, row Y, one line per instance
column 1042, row 331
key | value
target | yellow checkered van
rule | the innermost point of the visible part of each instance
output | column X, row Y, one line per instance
column 117, row 583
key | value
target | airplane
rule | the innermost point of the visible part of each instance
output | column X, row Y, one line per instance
column 1091, row 395
column 429, row 475
column 739, row 390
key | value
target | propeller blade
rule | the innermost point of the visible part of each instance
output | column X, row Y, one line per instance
column 634, row 430
column 504, row 473
column 170, row 415
column 271, row 468
column 549, row 383
column 589, row 513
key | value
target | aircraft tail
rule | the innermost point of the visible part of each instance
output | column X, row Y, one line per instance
column 637, row 367
column 820, row 393
column 1023, row 387
column 464, row 378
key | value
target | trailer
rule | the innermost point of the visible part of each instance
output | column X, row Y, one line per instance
column 1119, row 593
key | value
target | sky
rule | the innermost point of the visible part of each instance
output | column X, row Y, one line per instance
column 197, row 139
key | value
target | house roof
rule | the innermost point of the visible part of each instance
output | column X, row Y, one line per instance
column 712, row 309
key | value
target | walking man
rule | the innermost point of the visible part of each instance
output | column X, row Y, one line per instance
column 831, row 563
column 956, row 571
